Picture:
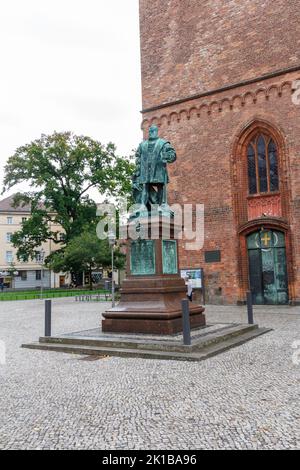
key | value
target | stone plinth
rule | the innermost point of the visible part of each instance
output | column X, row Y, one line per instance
column 151, row 295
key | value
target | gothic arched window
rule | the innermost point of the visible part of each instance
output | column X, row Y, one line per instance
column 262, row 165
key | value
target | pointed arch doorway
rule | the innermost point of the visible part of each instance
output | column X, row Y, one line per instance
column 268, row 267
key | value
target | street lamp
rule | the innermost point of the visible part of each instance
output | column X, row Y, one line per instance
column 42, row 257
column 91, row 273
column 112, row 242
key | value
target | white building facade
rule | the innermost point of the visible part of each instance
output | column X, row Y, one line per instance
column 16, row 274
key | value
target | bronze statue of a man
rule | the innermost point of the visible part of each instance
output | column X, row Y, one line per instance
column 151, row 176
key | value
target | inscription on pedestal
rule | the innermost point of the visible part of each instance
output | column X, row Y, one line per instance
column 169, row 256
column 142, row 257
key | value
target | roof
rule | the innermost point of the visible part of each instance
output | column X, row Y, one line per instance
column 6, row 205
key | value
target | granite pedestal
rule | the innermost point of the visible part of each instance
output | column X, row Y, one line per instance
column 151, row 295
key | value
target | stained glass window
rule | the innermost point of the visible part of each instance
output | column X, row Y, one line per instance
column 252, row 170
column 273, row 162
column 263, row 175
column 262, row 165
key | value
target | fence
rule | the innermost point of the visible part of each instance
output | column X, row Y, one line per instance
column 9, row 296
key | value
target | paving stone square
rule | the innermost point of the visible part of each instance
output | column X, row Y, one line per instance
column 246, row 398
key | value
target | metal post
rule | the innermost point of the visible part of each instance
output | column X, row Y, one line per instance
column 186, row 323
column 112, row 279
column 203, row 288
column 42, row 258
column 250, row 308
column 47, row 318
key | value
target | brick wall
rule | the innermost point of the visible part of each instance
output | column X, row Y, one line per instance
column 190, row 47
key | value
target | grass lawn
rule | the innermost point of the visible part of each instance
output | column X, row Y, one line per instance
column 48, row 294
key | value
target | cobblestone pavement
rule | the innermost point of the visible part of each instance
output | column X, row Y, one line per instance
column 246, row 398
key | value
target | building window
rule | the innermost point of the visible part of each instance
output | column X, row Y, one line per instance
column 9, row 256
column 9, row 220
column 24, row 275
column 262, row 165
column 24, row 219
column 8, row 237
column 38, row 275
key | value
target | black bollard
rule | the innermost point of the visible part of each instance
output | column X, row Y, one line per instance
column 47, row 318
column 186, row 323
column 250, row 308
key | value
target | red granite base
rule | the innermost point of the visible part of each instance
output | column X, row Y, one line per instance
column 151, row 306
column 150, row 326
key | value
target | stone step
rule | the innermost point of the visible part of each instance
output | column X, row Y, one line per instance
column 199, row 355
column 145, row 344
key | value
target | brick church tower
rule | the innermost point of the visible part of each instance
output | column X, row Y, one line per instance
column 218, row 78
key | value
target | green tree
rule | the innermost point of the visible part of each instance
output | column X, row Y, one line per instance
column 86, row 253
column 60, row 170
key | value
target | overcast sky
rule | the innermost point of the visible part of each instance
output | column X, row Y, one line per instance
column 69, row 65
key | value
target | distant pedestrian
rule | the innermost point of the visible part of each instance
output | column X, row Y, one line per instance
column 189, row 285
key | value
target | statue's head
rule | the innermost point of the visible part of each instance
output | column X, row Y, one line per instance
column 153, row 132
